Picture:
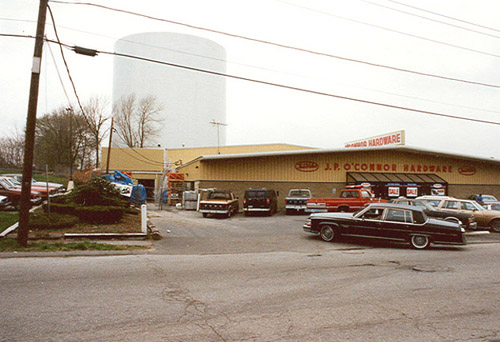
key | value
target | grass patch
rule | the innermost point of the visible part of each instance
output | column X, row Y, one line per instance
column 7, row 219
column 11, row 245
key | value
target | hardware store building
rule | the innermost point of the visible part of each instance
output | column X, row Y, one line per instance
column 391, row 172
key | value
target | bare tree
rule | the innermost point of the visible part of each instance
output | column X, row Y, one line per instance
column 137, row 122
column 12, row 150
column 96, row 118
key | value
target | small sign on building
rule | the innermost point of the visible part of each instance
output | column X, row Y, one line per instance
column 393, row 138
column 393, row 191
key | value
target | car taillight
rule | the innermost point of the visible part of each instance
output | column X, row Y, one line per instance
column 244, row 201
column 267, row 201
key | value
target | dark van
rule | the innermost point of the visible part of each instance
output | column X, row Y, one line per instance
column 260, row 200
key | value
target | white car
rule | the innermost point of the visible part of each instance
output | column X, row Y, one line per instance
column 4, row 202
column 34, row 182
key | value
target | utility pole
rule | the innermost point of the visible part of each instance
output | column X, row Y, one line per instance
column 70, row 116
column 29, row 143
column 218, row 124
column 109, row 146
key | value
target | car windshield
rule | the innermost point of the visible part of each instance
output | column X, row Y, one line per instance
column 299, row 193
column 6, row 184
column 424, row 205
column 489, row 198
column 472, row 206
column 14, row 182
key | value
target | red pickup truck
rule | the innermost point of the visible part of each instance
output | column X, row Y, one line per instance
column 348, row 200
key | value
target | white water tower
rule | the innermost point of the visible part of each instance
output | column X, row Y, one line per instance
column 190, row 99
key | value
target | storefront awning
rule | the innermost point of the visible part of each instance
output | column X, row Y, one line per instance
column 372, row 177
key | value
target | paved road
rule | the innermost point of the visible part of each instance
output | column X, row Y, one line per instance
column 254, row 279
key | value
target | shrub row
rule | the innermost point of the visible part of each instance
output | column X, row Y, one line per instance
column 55, row 221
column 88, row 214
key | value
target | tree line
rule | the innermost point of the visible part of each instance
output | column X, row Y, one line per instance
column 69, row 138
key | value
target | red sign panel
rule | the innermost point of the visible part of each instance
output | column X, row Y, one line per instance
column 467, row 170
column 306, row 166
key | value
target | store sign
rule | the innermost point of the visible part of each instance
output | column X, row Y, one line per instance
column 393, row 191
column 437, row 192
column 306, row 166
column 467, row 170
column 388, row 139
column 411, row 192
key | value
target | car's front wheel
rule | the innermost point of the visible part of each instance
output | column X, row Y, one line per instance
column 328, row 233
column 495, row 225
column 420, row 241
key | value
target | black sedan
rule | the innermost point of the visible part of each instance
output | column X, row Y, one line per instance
column 387, row 221
column 467, row 220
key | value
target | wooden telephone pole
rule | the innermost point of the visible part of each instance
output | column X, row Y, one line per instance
column 29, row 143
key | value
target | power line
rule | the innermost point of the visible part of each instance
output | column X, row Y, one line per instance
column 67, row 67
column 164, row 48
column 392, row 30
column 281, row 45
column 445, row 16
column 434, row 20
column 295, row 88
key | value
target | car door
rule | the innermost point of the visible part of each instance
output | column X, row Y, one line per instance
column 469, row 208
column 397, row 223
column 367, row 224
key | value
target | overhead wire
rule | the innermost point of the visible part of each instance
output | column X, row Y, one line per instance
column 282, row 86
column 430, row 19
column 324, row 54
column 392, row 30
column 373, row 90
column 289, row 87
column 67, row 68
column 445, row 16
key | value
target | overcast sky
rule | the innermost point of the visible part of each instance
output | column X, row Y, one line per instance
column 380, row 32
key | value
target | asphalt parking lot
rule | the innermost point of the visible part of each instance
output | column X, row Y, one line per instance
column 187, row 232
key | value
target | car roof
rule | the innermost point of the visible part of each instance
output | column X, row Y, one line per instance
column 395, row 206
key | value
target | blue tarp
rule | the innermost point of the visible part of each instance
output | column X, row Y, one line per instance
column 138, row 195
column 119, row 177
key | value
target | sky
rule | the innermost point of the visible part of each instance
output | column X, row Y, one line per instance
column 457, row 39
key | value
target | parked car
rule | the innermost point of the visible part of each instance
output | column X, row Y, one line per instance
column 492, row 206
column 14, row 194
column 484, row 218
column 352, row 198
column 4, row 202
column 433, row 199
column 486, row 198
column 41, row 189
column 295, row 201
column 260, row 200
column 19, row 177
column 387, row 221
column 468, row 221
column 221, row 202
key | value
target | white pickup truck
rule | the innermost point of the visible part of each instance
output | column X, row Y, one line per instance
column 295, row 201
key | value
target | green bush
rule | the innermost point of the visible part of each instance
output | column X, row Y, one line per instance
column 61, row 208
column 55, row 221
column 98, row 192
column 99, row 214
